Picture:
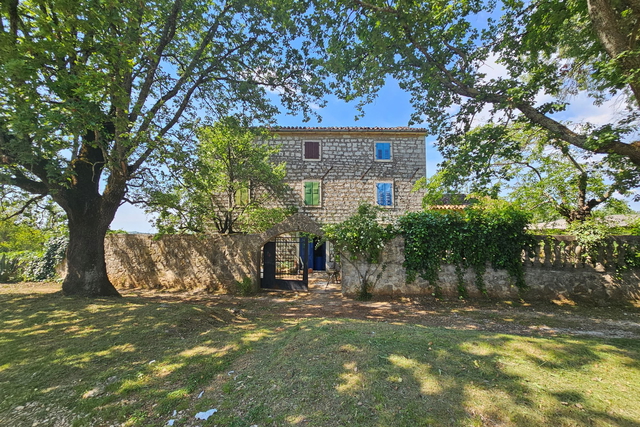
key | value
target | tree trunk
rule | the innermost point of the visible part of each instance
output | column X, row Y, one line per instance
column 86, row 266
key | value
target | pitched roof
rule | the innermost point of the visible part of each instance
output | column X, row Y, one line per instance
column 347, row 129
column 447, row 207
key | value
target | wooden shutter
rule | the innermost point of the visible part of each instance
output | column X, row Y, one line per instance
column 383, row 151
column 312, row 193
column 384, row 196
column 312, row 150
column 242, row 196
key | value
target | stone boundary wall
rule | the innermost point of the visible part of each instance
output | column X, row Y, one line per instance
column 546, row 282
column 181, row 261
column 212, row 263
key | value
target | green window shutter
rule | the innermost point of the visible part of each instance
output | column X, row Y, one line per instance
column 312, row 193
column 316, row 193
column 242, row 196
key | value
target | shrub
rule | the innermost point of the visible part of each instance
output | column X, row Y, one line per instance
column 9, row 268
column 489, row 233
column 244, row 287
column 359, row 240
column 44, row 267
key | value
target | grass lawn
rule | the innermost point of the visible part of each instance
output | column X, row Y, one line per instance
column 140, row 360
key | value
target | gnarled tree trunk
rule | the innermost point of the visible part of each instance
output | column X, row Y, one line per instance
column 89, row 215
column 86, row 266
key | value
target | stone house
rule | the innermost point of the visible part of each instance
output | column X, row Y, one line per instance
column 331, row 170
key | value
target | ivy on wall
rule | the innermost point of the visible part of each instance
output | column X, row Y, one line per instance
column 491, row 233
column 359, row 240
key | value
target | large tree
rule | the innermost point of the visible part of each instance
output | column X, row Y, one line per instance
column 90, row 89
column 228, row 177
column 513, row 60
column 547, row 177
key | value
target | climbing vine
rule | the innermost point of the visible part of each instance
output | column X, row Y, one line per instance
column 359, row 241
column 491, row 233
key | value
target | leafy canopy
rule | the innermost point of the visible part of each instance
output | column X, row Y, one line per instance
column 545, row 176
column 90, row 90
column 228, row 178
column 509, row 61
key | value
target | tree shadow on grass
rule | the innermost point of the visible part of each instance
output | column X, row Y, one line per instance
column 59, row 349
column 139, row 359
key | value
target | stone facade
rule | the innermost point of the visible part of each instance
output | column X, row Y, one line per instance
column 546, row 282
column 348, row 171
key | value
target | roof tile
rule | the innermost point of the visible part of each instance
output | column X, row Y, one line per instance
column 347, row 129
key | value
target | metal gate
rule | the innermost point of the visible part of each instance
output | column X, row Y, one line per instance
column 285, row 265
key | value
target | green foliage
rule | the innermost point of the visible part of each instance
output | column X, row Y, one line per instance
column 258, row 219
column 91, row 91
column 541, row 174
column 224, row 186
column 438, row 190
column 590, row 234
column 244, row 287
column 27, row 224
column 461, row 60
column 21, row 237
column 359, row 240
column 118, row 231
column 44, row 267
column 633, row 227
column 492, row 232
column 9, row 268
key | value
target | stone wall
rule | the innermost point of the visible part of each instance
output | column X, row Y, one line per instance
column 348, row 171
column 213, row 263
column 546, row 282
column 180, row 261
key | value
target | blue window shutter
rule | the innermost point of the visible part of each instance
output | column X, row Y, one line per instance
column 384, row 196
column 383, row 151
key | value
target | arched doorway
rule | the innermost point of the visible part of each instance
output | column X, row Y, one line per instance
column 289, row 251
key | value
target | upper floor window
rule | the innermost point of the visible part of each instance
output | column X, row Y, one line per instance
column 312, row 193
column 383, row 151
column 384, row 193
column 311, row 150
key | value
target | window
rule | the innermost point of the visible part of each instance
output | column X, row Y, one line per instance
column 384, row 194
column 383, row 151
column 242, row 196
column 312, row 193
column 312, row 150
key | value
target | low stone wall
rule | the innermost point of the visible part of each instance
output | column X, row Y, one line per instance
column 181, row 261
column 213, row 263
column 546, row 283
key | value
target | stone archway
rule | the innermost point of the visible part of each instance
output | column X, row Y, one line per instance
column 284, row 259
column 295, row 223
